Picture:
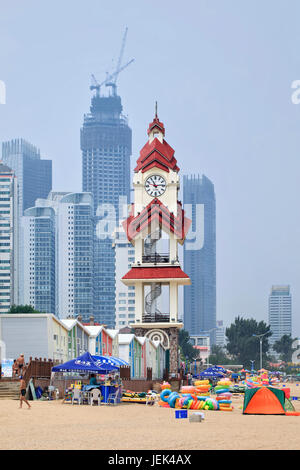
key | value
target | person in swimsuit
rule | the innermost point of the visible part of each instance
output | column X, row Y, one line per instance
column 23, row 393
column 20, row 362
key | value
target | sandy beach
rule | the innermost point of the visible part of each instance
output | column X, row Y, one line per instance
column 53, row 425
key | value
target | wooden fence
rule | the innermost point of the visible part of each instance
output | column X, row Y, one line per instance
column 125, row 372
column 39, row 368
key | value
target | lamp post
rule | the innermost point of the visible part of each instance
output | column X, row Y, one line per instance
column 252, row 365
column 260, row 337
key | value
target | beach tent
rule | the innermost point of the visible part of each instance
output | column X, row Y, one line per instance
column 85, row 363
column 264, row 401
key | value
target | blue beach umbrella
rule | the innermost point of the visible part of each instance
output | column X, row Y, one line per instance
column 85, row 363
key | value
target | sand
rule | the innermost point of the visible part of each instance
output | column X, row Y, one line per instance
column 53, row 425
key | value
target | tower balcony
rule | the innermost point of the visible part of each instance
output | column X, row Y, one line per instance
column 156, row 258
column 158, row 318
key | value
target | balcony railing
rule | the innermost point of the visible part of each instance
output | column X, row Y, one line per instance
column 156, row 258
column 156, row 318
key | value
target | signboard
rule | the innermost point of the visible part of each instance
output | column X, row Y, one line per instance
column 6, row 368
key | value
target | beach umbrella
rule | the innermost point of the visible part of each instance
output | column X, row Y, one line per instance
column 85, row 363
column 211, row 374
column 218, row 369
column 114, row 361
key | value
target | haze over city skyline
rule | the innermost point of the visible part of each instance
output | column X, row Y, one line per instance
column 221, row 73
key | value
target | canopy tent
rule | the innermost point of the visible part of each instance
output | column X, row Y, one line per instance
column 85, row 363
column 115, row 361
column 217, row 369
column 213, row 374
column 120, row 361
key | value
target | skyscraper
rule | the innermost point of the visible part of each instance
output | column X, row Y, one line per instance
column 58, row 254
column 34, row 174
column 9, row 232
column 200, row 257
column 280, row 312
column 125, row 295
column 220, row 334
column 39, row 269
column 106, row 149
column 75, row 255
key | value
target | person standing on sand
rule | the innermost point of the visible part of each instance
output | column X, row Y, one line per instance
column 23, row 392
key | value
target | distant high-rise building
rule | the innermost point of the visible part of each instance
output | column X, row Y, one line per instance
column 280, row 312
column 106, row 149
column 34, row 174
column 9, row 233
column 38, row 276
column 125, row 295
column 200, row 257
column 75, row 255
column 220, row 334
column 58, row 250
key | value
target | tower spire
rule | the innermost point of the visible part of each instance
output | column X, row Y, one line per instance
column 156, row 110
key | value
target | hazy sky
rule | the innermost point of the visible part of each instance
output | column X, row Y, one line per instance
column 221, row 71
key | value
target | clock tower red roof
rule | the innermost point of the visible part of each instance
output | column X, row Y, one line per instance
column 156, row 153
column 156, row 210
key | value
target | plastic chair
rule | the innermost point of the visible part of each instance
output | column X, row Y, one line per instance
column 76, row 396
column 112, row 398
column 95, row 396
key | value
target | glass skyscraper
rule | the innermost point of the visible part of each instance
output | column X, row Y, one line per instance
column 38, row 228
column 34, row 174
column 106, row 141
column 58, row 254
column 200, row 257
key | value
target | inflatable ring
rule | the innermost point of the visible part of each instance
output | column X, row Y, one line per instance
column 165, row 394
column 172, row 399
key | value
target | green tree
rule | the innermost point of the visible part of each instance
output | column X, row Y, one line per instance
column 242, row 345
column 187, row 350
column 218, row 356
column 284, row 347
column 22, row 309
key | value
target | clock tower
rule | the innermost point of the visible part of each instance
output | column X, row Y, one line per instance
column 156, row 219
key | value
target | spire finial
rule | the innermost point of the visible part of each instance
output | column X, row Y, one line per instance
column 156, row 109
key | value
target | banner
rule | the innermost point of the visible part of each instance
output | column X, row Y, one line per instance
column 6, row 368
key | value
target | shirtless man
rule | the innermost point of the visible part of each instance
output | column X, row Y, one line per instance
column 23, row 393
column 20, row 362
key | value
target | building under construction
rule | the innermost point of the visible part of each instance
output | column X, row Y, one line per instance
column 106, row 141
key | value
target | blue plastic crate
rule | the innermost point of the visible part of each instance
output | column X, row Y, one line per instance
column 181, row 414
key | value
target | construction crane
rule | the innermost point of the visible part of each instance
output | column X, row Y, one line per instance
column 121, row 56
column 94, row 84
column 111, row 79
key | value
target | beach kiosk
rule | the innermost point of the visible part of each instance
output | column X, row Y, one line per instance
column 99, row 365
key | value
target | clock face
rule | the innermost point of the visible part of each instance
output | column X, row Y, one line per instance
column 155, row 185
